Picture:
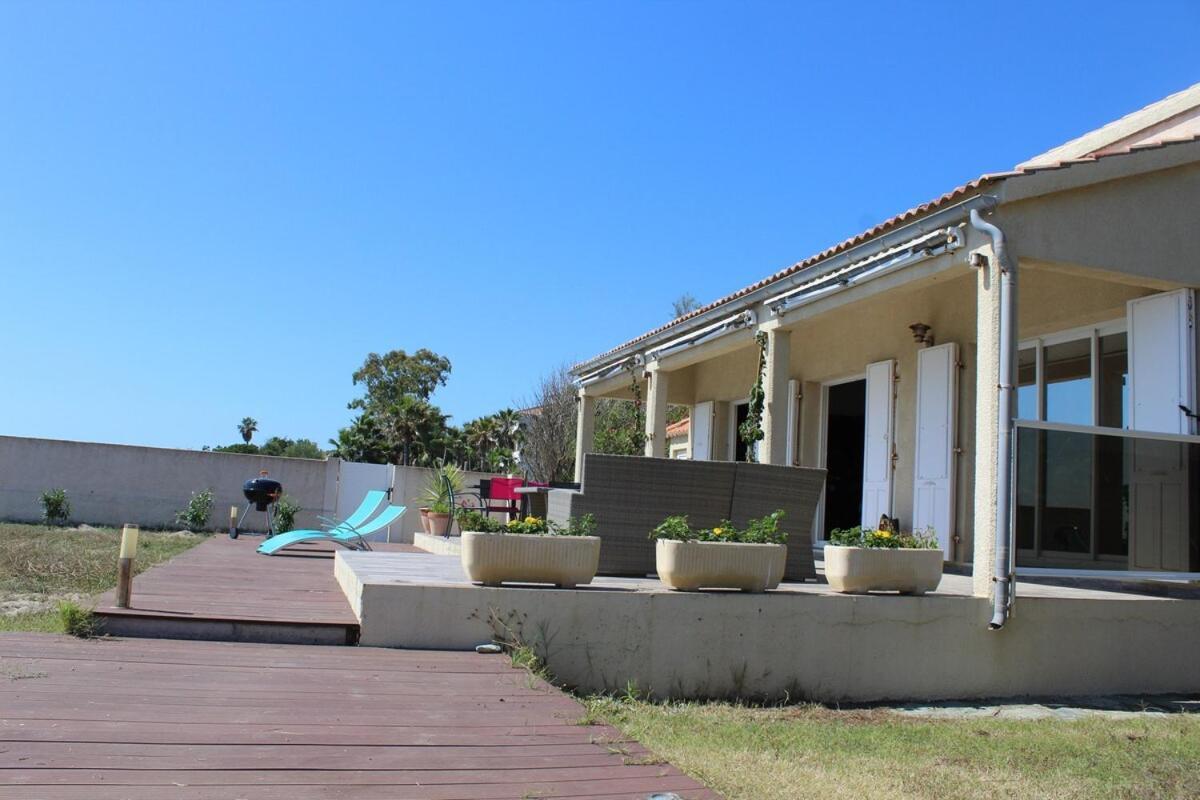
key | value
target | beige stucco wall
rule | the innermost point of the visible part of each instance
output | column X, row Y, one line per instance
column 840, row 343
column 1143, row 225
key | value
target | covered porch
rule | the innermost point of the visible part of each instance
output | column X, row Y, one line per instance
column 882, row 365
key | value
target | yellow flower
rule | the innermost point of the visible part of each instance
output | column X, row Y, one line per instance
column 531, row 520
column 884, row 534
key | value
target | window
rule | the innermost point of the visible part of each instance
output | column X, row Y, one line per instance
column 1070, row 499
column 1076, row 378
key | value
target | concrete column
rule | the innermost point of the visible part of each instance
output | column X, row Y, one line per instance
column 585, row 430
column 777, row 403
column 656, row 413
column 987, row 414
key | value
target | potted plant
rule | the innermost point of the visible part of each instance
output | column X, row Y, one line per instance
column 436, row 518
column 529, row 550
column 722, row 557
column 859, row 561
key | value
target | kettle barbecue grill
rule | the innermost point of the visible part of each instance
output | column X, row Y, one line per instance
column 262, row 493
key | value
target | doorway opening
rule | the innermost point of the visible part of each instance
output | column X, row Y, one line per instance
column 845, row 438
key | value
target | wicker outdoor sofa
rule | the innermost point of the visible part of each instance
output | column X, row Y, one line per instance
column 630, row 495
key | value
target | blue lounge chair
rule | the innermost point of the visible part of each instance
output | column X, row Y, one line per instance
column 348, row 533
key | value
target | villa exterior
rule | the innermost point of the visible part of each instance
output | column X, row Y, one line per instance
column 884, row 353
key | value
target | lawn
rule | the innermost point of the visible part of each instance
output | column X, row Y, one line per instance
column 792, row 753
column 40, row 566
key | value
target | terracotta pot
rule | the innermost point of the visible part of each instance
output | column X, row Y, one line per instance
column 855, row 570
column 424, row 519
column 496, row 558
column 688, row 566
column 439, row 524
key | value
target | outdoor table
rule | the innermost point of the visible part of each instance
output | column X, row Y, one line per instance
column 531, row 496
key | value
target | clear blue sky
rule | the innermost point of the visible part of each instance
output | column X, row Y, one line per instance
column 185, row 187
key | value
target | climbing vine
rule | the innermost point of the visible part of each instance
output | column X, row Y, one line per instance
column 635, row 387
column 751, row 430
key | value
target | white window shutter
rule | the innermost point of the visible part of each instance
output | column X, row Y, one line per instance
column 1162, row 358
column 793, row 422
column 701, row 431
column 877, row 451
column 937, row 420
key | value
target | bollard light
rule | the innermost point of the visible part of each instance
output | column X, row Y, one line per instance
column 129, row 541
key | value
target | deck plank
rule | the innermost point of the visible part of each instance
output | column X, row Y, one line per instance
column 151, row 718
column 223, row 580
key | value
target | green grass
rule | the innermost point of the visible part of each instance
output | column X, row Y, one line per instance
column 41, row 565
column 816, row 752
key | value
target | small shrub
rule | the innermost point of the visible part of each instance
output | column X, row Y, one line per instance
column 472, row 520
column 527, row 525
column 576, row 526
column 56, row 508
column 764, row 530
column 286, row 510
column 77, row 620
column 857, row 537
column 199, row 508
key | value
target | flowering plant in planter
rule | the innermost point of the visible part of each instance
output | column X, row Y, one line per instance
column 857, row 537
column 764, row 530
column 721, row 557
column 529, row 550
column 858, row 561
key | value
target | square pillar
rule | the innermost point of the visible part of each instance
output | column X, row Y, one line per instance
column 585, row 430
column 777, row 402
column 987, row 416
column 656, row 413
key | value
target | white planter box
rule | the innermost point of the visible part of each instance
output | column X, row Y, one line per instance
column 687, row 566
column 855, row 570
column 495, row 558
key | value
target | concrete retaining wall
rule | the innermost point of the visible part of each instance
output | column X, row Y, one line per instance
column 801, row 646
column 112, row 484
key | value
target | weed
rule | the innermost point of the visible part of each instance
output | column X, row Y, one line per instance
column 77, row 620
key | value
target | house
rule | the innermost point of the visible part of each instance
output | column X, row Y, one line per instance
column 1050, row 428
column 678, row 444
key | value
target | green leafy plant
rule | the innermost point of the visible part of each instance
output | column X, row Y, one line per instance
column 195, row 515
column 858, row 537
column 751, row 431
column 472, row 520
column 763, row 530
column 56, row 508
column 437, row 493
column 527, row 525
column 77, row 620
column 286, row 510
column 576, row 526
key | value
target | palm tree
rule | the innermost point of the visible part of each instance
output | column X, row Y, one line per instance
column 481, row 435
column 247, row 428
column 509, row 422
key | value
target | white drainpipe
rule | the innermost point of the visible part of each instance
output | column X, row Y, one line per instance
column 1002, row 574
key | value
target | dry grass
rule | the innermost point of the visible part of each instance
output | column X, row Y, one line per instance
column 40, row 566
column 816, row 752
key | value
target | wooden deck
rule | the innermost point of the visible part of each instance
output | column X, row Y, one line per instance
column 223, row 590
column 144, row 719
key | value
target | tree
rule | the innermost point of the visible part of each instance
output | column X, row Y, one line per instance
column 362, row 440
column 684, row 305
column 393, row 375
column 410, row 429
column 247, row 428
column 549, row 447
column 509, row 422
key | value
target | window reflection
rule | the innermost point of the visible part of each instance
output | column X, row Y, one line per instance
column 1068, row 379
column 1027, row 383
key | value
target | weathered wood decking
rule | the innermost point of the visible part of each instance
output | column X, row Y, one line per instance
column 221, row 589
column 146, row 719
